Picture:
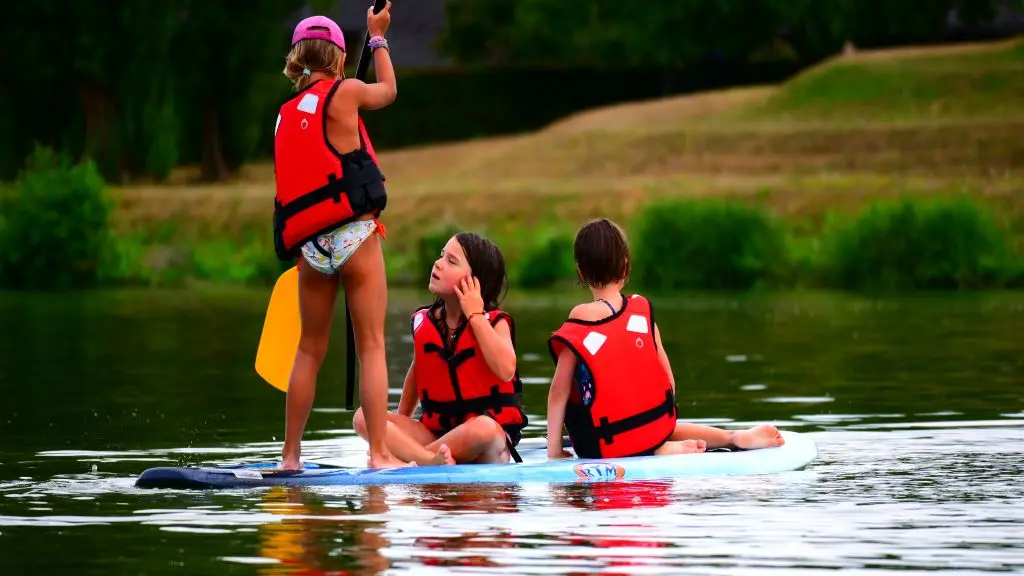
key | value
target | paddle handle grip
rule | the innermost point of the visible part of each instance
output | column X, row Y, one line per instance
column 364, row 55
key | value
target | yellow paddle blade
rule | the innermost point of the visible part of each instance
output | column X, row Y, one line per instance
column 281, row 330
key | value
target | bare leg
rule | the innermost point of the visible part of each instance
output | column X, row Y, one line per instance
column 317, row 293
column 407, row 439
column 480, row 441
column 681, row 447
column 367, row 292
column 763, row 436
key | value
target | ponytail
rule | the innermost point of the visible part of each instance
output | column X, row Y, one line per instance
column 313, row 55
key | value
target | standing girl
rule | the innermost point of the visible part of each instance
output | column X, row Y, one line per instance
column 330, row 191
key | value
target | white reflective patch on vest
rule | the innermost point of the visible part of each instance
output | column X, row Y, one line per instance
column 593, row 342
column 277, row 125
column 638, row 324
column 309, row 103
column 417, row 321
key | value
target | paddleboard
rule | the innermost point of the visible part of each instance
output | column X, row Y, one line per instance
column 798, row 451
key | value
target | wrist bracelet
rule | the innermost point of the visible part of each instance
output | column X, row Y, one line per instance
column 470, row 317
column 378, row 42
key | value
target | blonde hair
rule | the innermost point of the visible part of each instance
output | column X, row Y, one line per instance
column 315, row 55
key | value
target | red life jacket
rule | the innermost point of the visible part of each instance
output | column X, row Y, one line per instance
column 455, row 384
column 319, row 189
column 621, row 402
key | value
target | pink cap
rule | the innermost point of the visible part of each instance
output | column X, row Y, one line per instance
column 319, row 27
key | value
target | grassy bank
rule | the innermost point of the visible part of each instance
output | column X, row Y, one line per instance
column 811, row 153
column 911, row 242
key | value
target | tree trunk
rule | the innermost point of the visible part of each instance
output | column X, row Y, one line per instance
column 214, row 168
column 102, row 142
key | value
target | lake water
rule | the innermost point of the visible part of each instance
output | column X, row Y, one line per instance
column 916, row 404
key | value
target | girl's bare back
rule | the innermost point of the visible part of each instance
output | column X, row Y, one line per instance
column 343, row 119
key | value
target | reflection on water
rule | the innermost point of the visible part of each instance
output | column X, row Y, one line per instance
column 306, row 541
column 915, row 404
column 614, row 495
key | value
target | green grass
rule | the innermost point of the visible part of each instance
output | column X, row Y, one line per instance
column 920, row 85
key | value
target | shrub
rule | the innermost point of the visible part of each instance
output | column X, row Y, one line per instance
column 546, row 261
column 940, row 243
column 57, row 226
column 706, row 244
column 229, row 261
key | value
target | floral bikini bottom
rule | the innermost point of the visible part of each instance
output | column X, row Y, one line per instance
column 329, row 252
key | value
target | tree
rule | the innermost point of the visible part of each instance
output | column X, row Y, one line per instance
column 225, row 49
column 672, row 35
column 125, row 84
column 104, row 62
column 607, row 33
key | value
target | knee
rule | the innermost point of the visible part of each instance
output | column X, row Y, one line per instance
column 370, row 343
column 371, row 352
column 487, row 429
column 313, row 346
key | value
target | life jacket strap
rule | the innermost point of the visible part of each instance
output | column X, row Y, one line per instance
column 607, row 430
column 355, row 187
column 496, row 400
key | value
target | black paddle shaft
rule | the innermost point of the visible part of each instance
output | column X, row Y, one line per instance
column 364, row 55
column 362, row 67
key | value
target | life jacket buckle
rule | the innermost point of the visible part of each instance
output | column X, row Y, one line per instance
column 336, row 187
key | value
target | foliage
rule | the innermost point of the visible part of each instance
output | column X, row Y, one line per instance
column 942, row 243
column 56, row 228
column 547, row 260
column 709, row 244
column 610, row 33
column 142, row 87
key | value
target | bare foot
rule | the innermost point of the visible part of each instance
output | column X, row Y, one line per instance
column 682, row 447
column 444, row 456
column 386, row 461
column 764, row 436
column 290, row 461
column 290, row 464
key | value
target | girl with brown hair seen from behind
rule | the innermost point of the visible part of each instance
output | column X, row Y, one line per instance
column 330, row 192
column 613, row 387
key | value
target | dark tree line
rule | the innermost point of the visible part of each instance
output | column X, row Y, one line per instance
column 142, row 86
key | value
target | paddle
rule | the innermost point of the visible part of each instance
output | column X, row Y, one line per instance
column 282, row 326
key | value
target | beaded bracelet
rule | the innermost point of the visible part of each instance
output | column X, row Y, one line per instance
column 378, row 42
